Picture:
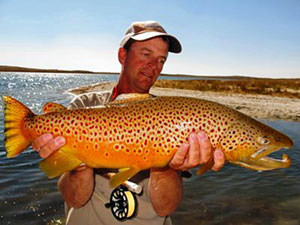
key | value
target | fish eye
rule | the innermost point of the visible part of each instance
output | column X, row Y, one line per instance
column 263, row 140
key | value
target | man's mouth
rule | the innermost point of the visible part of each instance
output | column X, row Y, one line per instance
column 147, row 74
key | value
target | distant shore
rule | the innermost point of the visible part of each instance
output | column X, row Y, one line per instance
column 36, row 70
column 5, row 68
column 260, row 106
column 261, row 98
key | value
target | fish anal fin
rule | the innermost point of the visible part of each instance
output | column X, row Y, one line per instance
column 59, row 163
column 53, row 107
column 122, row 176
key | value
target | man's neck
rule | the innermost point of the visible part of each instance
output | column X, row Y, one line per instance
column 123, row 87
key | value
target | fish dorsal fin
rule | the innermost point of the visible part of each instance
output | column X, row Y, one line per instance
column 53, row 107
column 130, row 98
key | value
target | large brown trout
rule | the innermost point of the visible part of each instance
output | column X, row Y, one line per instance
column 141, row 132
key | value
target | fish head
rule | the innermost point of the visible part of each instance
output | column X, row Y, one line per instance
column 250, row 143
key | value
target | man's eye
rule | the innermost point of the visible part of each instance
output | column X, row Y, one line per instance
column 162, row 61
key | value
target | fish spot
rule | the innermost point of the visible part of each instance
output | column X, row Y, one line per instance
column 96, row 146
column 117, row 147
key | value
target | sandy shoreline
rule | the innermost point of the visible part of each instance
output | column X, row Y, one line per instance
column 254, row 105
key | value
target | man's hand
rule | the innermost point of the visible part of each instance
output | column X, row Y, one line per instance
column 197, row 152
column 45, row 144
column 75, row 186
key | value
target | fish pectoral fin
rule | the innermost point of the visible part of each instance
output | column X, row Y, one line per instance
column 130, row 98
column 53, row 107
column 205, row 167
column 59, row 163
column 123, row 175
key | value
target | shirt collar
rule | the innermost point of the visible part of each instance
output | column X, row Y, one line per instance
column 114, row 93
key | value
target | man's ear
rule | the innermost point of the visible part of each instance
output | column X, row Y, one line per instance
column 122, row 55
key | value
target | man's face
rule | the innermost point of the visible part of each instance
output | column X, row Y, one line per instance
column 143, row 63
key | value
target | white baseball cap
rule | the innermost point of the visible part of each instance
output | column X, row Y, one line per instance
column 141, row 31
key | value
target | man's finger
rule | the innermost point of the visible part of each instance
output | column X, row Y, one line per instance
column 52, row 146
column 194, row 153
column 219, row 160
column 205, row 147
column 40, row 141
column 179, row 157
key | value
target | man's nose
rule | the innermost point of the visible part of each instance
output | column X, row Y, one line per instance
column 152, row 63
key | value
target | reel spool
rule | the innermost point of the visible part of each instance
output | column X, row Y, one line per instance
column 122, row 203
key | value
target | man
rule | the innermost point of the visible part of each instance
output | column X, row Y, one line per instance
column 142, row 54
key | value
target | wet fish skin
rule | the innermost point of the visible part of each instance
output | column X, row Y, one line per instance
column 141, row 132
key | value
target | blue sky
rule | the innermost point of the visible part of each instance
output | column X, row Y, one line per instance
column 219, row 37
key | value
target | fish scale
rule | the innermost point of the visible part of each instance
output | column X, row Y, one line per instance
column 141, row 132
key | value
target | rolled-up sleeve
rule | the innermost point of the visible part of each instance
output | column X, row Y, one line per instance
column 91, row 99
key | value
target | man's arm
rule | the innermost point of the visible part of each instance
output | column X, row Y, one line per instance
column 75, row 186
column 165, row 185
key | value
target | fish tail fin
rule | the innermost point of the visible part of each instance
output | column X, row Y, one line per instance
column 16, row 139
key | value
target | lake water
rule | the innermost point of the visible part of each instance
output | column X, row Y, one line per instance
column 233, row 196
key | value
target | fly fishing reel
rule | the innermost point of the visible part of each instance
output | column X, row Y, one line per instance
column 122, row 203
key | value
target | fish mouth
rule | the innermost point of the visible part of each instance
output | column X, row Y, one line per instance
column 261, row 161
column 268, row 163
